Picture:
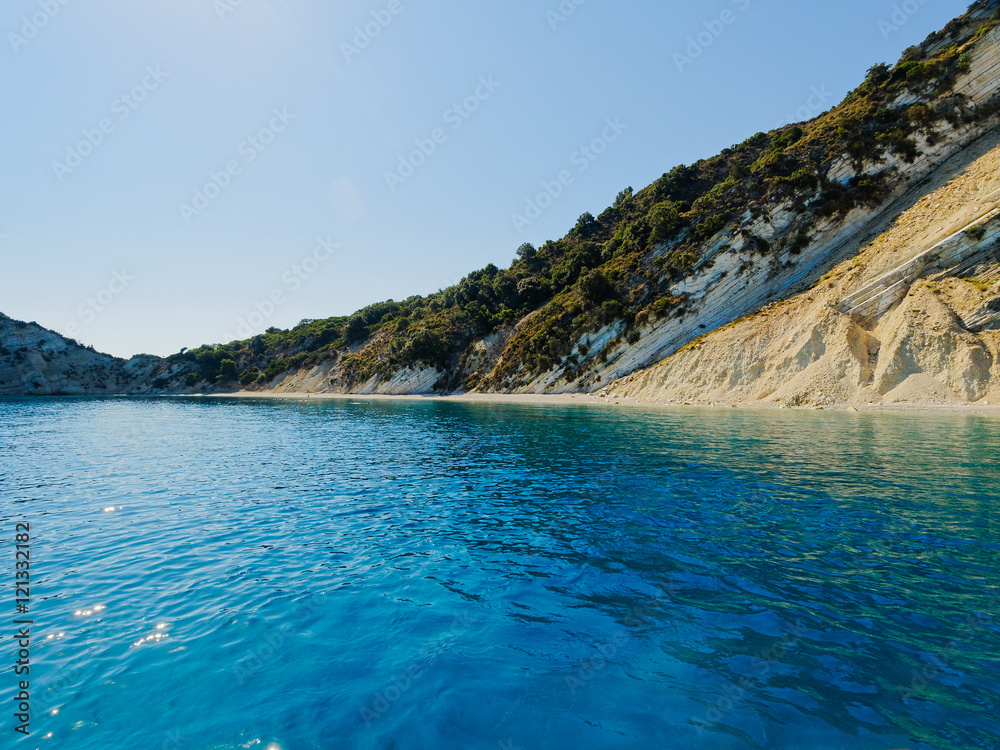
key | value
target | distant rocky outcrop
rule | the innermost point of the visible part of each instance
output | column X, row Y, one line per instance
column 35, row 361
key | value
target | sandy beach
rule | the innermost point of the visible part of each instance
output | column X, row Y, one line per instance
column 599, row 400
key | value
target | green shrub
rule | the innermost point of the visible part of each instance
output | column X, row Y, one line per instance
column 250, row 376
column 800, row 243
column 664, row 305
column 709, row 227
column 276, row 368
column 787, row 137
column 920, row 114
column 802, row 179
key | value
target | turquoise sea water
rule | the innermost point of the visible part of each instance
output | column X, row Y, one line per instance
column 425, row 575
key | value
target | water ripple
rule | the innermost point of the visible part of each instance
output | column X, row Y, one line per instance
column 213, row 574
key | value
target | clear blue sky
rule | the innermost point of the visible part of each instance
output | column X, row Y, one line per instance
column 103, row 226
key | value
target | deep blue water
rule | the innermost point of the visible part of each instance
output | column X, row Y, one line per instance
column 426, row 575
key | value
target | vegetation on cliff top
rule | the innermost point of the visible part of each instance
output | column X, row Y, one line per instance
column 618, row 267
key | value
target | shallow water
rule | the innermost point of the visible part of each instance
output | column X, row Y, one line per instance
column 410, row 575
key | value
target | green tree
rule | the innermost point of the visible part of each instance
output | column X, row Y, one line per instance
column 595, row 287
column 533, row 290
column 209, row 362
column 227, row 371
column 664, row 220
column 623, row 199
column 878, row 74
column 357, row 329
column 428, row 347
column 586, row 225
column 480, row 317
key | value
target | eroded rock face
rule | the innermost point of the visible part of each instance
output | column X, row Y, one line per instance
column 733, row 281
column 811, row 349
column 926, row 340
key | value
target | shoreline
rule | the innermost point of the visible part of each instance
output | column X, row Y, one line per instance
column 552, row 399
column 570, row 399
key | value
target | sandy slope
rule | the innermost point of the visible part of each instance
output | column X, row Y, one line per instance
column 803, row 351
